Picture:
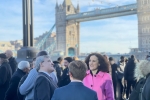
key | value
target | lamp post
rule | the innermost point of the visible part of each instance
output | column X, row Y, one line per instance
column 27, row 52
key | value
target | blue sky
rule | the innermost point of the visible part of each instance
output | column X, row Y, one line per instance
column 115, row 35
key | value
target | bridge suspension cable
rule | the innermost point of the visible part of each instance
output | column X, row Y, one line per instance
column 39, row 44
column 51, row 47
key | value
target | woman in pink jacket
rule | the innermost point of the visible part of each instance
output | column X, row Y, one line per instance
column 98, row 78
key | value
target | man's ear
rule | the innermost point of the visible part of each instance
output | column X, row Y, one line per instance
column 70, row 74
column 41, row 65
column 25, row 70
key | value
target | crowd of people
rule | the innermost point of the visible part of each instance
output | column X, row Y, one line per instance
column 99, row 77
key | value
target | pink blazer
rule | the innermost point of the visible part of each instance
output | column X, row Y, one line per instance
column 101, row 83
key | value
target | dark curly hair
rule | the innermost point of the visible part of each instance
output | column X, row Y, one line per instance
column 104, row 64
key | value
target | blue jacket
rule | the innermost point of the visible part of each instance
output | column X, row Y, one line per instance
column 27, row 87
column 74, row 91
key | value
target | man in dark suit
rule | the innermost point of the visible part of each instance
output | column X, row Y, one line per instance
column 44, row 85
column 75, row 90
column 65, row 80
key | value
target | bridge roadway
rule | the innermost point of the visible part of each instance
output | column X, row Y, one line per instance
column 104, row 13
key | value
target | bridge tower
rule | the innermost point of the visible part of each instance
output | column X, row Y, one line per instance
column 67, row 31
column 143, row 13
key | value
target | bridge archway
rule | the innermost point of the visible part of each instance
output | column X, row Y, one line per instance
column 71, row 52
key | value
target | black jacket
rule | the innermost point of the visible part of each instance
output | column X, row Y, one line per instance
column 20, row 96
column 114, row 71
column 44, row 87
column 74, row 91
column 13, row 64
column 5, row 76
column 146, row 89
column 11, row 93
column 65, row 80
column 58, row 71
column 129, row 70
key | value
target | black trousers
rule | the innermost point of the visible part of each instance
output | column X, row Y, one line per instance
column 129, row 84
column 115, row 86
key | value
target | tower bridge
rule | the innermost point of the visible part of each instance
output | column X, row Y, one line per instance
column 98, row 14
column 68, row 20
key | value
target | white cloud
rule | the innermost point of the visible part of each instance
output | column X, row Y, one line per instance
column 116, row 33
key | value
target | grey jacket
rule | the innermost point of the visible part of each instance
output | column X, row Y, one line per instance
column 27, row 87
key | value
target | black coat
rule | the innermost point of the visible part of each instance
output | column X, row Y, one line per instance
column 58, row 71
column 20, row 96
column 129, row 70
column 11, row 93
column 74, row 91
column 65, row 79
column 114, row 71
column 5, row 76
column 146, row 90
column 44, row 87
column 13, row 64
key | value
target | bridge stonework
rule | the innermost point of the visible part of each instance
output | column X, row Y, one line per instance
column 143, row 13
column 67, row 31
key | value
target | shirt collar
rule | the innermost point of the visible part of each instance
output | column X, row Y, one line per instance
column 45, row 73
column 76, row 81
column 100, row 73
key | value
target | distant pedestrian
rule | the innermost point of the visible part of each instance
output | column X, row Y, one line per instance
column 65, row 80
column 58, row 68
column 5, row 75
column 114, row 67
column 129, row 75
column 107, row 58
column 12, row 60
column 120, row 75
column 75, row 58
column 60, row 61
column 33, row 63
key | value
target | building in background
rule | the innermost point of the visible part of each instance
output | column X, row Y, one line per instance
column 17, row 44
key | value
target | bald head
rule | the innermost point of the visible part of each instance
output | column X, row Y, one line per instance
column 9, row 53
